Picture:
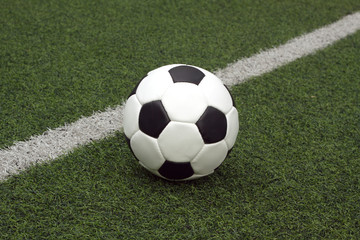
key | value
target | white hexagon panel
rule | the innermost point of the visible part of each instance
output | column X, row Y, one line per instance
column 184, row 102
column 210, row 157
column 153, row 86
column 180, row 142
column 147, row 150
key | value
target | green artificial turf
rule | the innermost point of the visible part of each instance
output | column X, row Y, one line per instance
column 293, row 174
column 60, row 60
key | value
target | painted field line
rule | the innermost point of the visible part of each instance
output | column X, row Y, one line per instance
column 268, row 60
column 56, row 142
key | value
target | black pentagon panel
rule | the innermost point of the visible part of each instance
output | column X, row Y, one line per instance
column 186, row 74
column 212, row 125
column 176, row 170
column 153, row 118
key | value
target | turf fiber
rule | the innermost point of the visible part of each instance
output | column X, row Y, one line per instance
column 63, row 59
column 293, row 174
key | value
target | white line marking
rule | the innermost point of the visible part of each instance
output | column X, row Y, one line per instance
column 56, row 142
column 268, row 60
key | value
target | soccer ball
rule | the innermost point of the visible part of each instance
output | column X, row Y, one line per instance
column 180, row 122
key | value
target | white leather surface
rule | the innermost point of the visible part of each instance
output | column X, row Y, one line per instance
column 233, row 127
column 147, row 150
column 180, row 142
column 216, row 93
column 184, row 102
column 209, row 158
column 153, row 86
column 151, row 170
column 131, row 116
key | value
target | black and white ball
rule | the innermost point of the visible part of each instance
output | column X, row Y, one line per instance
column 181, row 122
